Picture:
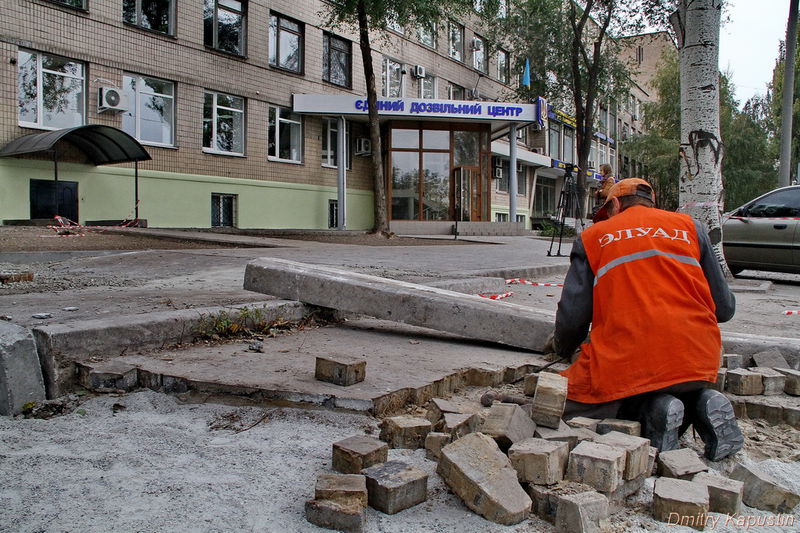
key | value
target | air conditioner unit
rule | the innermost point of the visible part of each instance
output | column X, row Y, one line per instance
column 498, row 173
column 363, row 146
column 111, row 99
column 477, row 44
column 498, row 163
column 419, row 71
column 475, row 94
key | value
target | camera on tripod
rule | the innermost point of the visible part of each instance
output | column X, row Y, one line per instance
column 567, row 206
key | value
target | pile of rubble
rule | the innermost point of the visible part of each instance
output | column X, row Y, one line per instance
column 521, row 457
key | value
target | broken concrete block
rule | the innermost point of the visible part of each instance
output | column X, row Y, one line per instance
column 772, row 380
column 724, row 495
column 394, row 486
column 564, row 433
column 436, row 409
column 486, row 376
column 108, row 375
column 353, row 454
column 482, row 476
column 539, row 461
column 651, row 461
column 529, row 384
column 405, row 431
column 680, row 502
column 340, row 516
column 629, row 427
column 343, row 488
column 546, row 499
column 460, row 424
column 21, row 380
column 791, row 416
column 792, row 385
column 341, row 370
column 549, row 399
column 507, row 423
column 763, row 408
column 596, row 465
column 637, row 451
column 583, row 422
column 763, row 491
column 719, row 385
column 434, row 442
column 586, row 512
column 732, row 361
column 743, row 382
column 682, row 463
column 628, row 487
column 771, row 359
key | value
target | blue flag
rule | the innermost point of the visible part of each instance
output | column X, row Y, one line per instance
column 526, row 74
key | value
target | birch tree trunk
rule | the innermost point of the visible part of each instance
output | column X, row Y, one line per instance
column 696, row 25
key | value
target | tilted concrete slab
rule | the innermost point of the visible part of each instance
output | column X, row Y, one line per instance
column 20, row 373
column 419, row 305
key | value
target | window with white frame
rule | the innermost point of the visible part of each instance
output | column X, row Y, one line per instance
column 522, row 180
column 479, row 56
column 52, row 92
column 501, row 217
column 223, row 210
column 155, row 15
column 394, row 25
column 223, row 123
column 427, row 87
column 224, row 25
column 336, row 60
column 151, row 114
column 602, row 120
column 555, row 140
column 456, row 92
column 78, row 4
column 426, row 34
column 392, row 76
column 455, row 41
column 478, row 5
column 285, row 135
column 568, row 152
column 612, row 159
column 603, row 158
column 285, row 43
column 502, row 9
column 502, row 65
column 612, row 120
column 330, row 143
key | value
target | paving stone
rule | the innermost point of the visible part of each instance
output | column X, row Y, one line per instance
column 759, row 407
column 629, row 427
column 586, row 512
column 651, row 460
column 343, row 488
column 682, row 463
column 460, row 424
column 564, row 433
column 719, row 385
column 791, row 416
column 436, row 409
column 763, row 491
column 743, row 382
column 792, row 385
column 773, row 381
column 507, row 423
column 529, row 384
column 353, row 454
column 637, row 451
column 394, row 486
column 596, row 465
column 628, row 487
column 482, row 476
column 341, row 370
column 21, row 380
column 583, row 422
column 405, row 431
column 539, row 461
column 732, row 361
column 585, row 434
column 680, row 502
column 336, row 515
column 108, row 375
column 724, row 495
column 546, row 499
column 770, row 358
column 486, row 377
column 549, row 400
column 434, row 442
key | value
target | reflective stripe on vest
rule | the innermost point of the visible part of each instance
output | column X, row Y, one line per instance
column 644, row 255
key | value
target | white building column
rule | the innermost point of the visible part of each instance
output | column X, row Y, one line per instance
column 512, row 174
column 341, row 182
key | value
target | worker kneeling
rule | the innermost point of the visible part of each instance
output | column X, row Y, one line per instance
column 648, row 282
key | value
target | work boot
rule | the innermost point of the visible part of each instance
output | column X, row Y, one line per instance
column 661, row 420
column 716, row 424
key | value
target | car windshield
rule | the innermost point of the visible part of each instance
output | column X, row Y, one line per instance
column 783, row 203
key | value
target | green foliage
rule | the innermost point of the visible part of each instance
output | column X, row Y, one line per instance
column 553, row 229
column 252, row 321
column 382, row 13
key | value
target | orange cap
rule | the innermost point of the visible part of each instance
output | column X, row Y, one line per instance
column 626, row 187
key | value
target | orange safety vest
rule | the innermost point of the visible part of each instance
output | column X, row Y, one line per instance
column 653, row 321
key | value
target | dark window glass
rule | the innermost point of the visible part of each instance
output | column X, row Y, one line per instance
column 336, row 60
column 153, row 15
column 785, row 203
column 285, row 43
column 224, row 25
column 80, row 4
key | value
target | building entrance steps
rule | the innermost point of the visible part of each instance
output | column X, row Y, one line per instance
column 284, row 372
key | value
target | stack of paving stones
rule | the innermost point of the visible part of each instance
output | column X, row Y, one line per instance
column 521, row 458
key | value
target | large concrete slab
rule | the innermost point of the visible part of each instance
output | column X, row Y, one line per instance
column 20, row 373
column 409, row 303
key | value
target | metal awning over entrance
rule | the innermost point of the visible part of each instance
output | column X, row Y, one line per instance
column 103, row 145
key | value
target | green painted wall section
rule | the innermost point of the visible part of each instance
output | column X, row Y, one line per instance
column 172, row 200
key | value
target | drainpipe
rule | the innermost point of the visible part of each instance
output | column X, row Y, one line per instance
column 512, row 174
column 341, row 159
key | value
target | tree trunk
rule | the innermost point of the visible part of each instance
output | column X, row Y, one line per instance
column 784, row 171
column 696, row 25
column 381, row 223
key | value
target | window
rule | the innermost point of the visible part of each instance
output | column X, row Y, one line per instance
column 602, row 154
column 502, row 65
column 333, row 213
column 456, row 92
column 522, row 180
column 223, row 210
column 478, row 6
column 521, row 218
column 224, row 22
column 336, row 60
column 612, row 120
column 501, row 217
column 151, row 116
column 51, row 91
column 223, row 123
column 555, row 140
column 544, row 197
column 455, row 41
column 501, row 180
column 79, row 4
column 285, row 135
column 426, row 34
column 568, row 154
column 479, row 56
column 612, row 159
column 602, row 120
column 285, row 43
column 330, row 143
column 156, row 15
column 427, row 87
column 395, row 26
column 639, row 54
column 392, row 76
column 502, row 9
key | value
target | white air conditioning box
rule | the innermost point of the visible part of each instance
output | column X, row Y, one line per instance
column 111, row 99
column 363, row 146
column 419, row 71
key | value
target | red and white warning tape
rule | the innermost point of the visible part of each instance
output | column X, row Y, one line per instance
column 526, row 282
column 791, row 312
column 71, row 226
column 497, row 296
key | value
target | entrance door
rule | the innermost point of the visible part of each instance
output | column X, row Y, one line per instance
column 468, row 193
column 43, row 199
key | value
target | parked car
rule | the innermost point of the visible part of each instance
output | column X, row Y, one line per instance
column 764, row 234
